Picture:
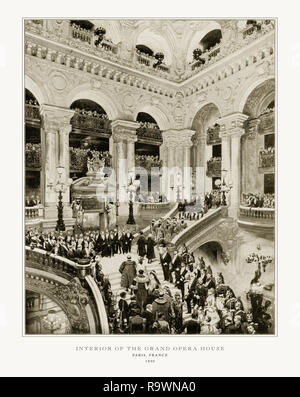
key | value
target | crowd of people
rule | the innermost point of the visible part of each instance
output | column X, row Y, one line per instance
column 91, row 113
column 32, row 200
column 267, row 157
column 213, row 305
column 84, row 245
column 33, row 154
column 147, row 161
column 259, row 200
column 148, row 125
column 32, row 102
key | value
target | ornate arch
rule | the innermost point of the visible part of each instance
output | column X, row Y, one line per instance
column 203, row 115
column 36, row 90
column 103, row 99
column 198, row 36
column 158, row 114
column 255, row 89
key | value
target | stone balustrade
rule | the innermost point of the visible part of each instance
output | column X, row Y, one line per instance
column 35, row 212
column 198, row 226
column 261, row 213
column 149, row 61
column 154, row 206
column 54, row 264
column 32, row 112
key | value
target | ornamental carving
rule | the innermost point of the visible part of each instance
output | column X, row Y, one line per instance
column 72, row 298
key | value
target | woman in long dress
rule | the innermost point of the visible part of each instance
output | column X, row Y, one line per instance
column 140, row 286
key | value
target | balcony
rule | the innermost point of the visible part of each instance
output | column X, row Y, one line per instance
column 32, row 115
column 33, row 155
column 149, row 133
column 267, row 122
column 147, row 61
column 214, row 166
column 267, row 159
column 257, row 213
column 88, row 37
column 212, row 135
column 88, row 123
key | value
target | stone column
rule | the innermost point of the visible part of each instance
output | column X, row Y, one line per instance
column 226, row 154
column 250, row 157
column 178, row 142
column 123, row 139
column 233, row 124
column 187, row 172
column 200, row 165
column 55, row 153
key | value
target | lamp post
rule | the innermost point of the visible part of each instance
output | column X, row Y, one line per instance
column 60, row 189
column 224, row 188
column 133, row 185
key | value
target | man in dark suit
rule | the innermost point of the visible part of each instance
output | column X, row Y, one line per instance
column 128, row 241
column 176, row 265
column 165, row 260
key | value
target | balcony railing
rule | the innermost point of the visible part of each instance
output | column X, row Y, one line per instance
column 151, row 133
column 91, row 123
column 35, row 212
column 212, row 135
column 33, row 155
column 148, row 61
column 266, row 159
column 32, row 112
column 81, row 34
column 214, row 166
column 261, row 213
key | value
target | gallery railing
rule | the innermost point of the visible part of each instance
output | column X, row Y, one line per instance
column 260, row 213
column 33, row 155
column 266, row 160
column 91, row 123
column 35, row 212
column 32, row 112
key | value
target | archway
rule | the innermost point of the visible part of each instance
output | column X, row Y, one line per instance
column 91, row 129
column 212, row 253
column 156, row 43
column 204, row 39
column 207, row 149
column 147, row 155
column 32, row 152
column 258, row 146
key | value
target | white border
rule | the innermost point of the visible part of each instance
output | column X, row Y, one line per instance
column 57, row 357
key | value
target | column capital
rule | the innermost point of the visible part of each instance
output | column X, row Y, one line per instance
column 56, row 118
column 178, row 137
column 123, row 130
column 232, row 124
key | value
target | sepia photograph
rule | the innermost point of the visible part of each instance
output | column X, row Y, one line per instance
column 149, row 173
